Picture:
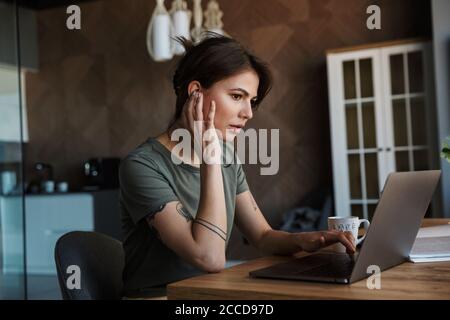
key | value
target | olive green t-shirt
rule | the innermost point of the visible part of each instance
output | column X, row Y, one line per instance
column 148, row 180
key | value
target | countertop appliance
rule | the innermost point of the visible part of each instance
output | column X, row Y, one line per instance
column 101, row 173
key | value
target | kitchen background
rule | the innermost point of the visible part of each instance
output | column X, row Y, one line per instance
column 90, row 96
column 98, row 93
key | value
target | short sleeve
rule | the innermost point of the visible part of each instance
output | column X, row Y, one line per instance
column 241, row 180
column 144, row 190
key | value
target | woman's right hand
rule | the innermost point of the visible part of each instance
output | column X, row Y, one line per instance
column 316, row 240
column 205, row 140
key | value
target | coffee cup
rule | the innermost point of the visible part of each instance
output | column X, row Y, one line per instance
column 351, row 224
column 48, row 186
column 62, row 186
column 8, row 181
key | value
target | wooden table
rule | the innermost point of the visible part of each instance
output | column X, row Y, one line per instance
column 405, row 281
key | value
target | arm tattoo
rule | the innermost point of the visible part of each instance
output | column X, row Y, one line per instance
column 211, row 229
column 212, row 226
column 182, row 211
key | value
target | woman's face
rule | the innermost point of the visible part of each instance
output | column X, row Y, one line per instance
column 234, row 97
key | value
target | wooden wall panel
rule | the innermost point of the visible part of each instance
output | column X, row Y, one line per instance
column 98, row 93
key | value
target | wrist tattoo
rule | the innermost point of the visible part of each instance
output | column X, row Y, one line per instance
column 183, row 212
column 213, row 226
column 211, row 229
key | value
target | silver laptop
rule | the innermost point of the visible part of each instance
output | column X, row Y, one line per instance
column 396, row 221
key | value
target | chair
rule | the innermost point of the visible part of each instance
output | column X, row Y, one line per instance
column 100, row 259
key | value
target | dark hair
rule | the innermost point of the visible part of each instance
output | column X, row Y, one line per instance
column 213, row 59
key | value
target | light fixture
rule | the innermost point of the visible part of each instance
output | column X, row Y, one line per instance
column 213, row 18
column 165, row 26
column 159, row 31
column 181, row 19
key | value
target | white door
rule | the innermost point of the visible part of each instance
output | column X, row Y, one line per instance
column 407, row 107
column 357, row 130
column 380, row 121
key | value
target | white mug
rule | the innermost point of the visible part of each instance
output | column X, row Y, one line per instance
column 48, row 186
column 9, row 181
column 351, row 224
column 62, row 186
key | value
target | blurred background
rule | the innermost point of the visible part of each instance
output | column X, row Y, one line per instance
column 353, row 103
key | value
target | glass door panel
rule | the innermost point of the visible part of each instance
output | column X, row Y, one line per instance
column 349, row 79
column 357, row 210
column 420, row 160
column 361, row 134
column 402, row 161
column 365, row 71
column 369, row 125
column 415, row 72
column 371, row 210
column 351, row 117
column 418, row 119
column 355, row 176
column 397, row 74
column 399, row 119
column 371, row 166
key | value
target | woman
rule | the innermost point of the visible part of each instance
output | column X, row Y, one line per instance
column 177, row 218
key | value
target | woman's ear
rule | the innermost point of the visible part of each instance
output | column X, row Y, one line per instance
column 194, row 86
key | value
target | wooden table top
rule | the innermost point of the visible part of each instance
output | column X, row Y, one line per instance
column 405, row 281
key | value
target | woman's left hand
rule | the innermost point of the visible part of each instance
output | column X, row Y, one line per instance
column 313, row 241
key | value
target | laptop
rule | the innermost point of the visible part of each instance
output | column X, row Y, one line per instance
column 388, row 242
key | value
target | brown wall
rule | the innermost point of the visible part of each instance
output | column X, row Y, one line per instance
column 98, row 93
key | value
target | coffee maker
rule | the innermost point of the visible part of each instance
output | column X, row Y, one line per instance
column 42, row 172
column 101, row 173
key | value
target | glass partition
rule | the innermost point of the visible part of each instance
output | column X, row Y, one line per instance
column 12, row 252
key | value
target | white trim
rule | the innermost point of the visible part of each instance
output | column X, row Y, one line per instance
column 356, row 100
column 363, row 201
column 363, row 151
column 408, row 111
column 362, row 164
column 410, row 148
column 406, row 96
column 379, row 119
column 387, row 110
column 338, row 139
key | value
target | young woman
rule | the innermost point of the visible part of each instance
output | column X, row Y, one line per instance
column 178, row 215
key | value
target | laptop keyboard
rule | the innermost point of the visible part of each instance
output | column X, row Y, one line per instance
column 332, row 266
column 321, row 266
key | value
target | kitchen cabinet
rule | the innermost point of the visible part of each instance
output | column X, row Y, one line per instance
column 11, row 235
column 382, row 119
column 48, row 217
column 28, row 35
